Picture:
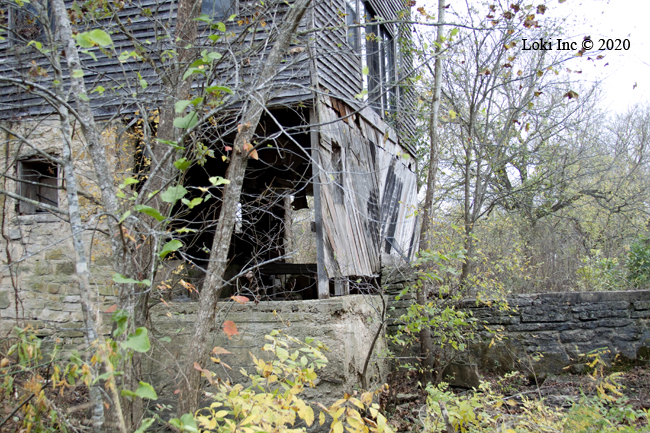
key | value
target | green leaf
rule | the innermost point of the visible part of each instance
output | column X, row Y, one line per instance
column 181, row 105
column 219, row 88
column 182, row 164
column 173, row 194
column 192, row 71
column 204, row 17
column 146, row 391
column 171, row 143
column 214, row 55
column 125, row 216
column 169, row 247
column 91, row 54
column 188, row 423
column 185, row 230
column 83, row 97
column 365, row 70
column 77, row 73
column 121, row 318
column 37, row 44
column 218, row 180
column 146, row 423
column 195, row 202
column 282, row 353
column 121, row 279
column 127, row 393
column 99, row 90
column 100, row 37
column 148, row 210
column 84, row 41
column 139, row 341
column 143, row 83
column 128, row 181
column 221, row 26
column 186, row 122
column 165, row 339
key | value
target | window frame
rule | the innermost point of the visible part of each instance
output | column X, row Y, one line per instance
column 378, row 51
column 15, row 12
column 26, row 187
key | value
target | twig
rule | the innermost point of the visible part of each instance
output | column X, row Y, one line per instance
column 13, row 412
column 445, row 416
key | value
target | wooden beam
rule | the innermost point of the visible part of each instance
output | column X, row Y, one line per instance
column 323, row 280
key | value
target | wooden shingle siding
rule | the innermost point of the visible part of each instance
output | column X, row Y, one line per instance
column 121, row 80
column 338, row 65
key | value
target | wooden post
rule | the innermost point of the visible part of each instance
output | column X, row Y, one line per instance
column 323, row 280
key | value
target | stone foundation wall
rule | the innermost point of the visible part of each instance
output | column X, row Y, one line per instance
column 345, row 324
column 562, row 327
column 38, row 286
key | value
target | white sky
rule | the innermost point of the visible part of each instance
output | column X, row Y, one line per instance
column 612, row 19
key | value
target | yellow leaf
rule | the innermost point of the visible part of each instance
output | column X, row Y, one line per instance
column 321, row 418
column 366, row 398
column 381, row 423
column 337, row 427
column 356, row 402
column 307, row 414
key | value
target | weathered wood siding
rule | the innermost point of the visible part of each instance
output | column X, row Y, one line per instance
column 368, row 191
column 152, row 24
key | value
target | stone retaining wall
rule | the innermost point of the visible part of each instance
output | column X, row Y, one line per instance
column 563, row 327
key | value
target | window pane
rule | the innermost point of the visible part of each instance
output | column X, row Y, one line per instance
column 218, row 9
column 351, row 19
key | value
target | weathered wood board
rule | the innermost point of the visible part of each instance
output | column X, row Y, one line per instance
column 368, row 190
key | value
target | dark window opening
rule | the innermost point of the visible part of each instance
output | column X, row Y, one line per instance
column 378, row 54
column 337, row 175
column 39, row 182
column 351, row 19
column 28, row 25
column 219, row 10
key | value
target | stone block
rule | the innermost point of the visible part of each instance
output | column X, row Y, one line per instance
column 601, row 314
column 462, row 375
column 546, row 314
column 56, row 254
column 601, row 306
column 107, row 290
column 54, row 288
column 65, row 268
column 641, row 305
column 14, row 234
column 50, row 315
column 539, row 326
column 643, row 314
column 578, row 335
column 5, row 300
column 41, row 268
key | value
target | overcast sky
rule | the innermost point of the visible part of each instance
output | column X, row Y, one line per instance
column 615, row 19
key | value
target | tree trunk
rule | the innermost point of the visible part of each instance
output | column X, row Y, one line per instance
column 434, row 145
column 426, row 342
column 198, row 350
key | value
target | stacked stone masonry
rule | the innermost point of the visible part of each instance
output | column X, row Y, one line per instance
column 563, row 327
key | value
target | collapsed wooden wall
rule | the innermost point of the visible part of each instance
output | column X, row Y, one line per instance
column 368, row 191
